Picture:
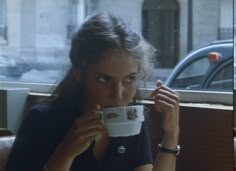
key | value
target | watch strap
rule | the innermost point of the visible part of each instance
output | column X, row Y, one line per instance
column 175, row 151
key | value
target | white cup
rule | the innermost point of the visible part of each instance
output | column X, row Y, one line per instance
column 123, row 121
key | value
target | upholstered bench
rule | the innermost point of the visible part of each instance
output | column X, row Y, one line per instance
column 6, row 143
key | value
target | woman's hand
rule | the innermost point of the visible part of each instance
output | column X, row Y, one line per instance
column 167, row 102
column 82, row 133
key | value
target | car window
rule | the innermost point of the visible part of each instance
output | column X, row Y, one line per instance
column 223, row 78
column 192, row 76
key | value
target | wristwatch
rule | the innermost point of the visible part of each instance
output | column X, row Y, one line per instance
column 175, row 151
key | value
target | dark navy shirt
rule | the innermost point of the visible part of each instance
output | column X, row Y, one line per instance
column 45, row 127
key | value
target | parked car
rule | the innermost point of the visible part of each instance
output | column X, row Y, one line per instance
column 12, row 67
column 209, row 67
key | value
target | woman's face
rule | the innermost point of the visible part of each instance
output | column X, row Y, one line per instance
column 113, row 81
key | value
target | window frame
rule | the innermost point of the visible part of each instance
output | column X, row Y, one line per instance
column 194, row 96
column 186, row 96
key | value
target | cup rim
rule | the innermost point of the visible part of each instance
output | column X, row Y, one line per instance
column 123, row 106
column 123, row 123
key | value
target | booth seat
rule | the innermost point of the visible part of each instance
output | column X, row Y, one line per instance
column 206, row 139
column 6, row 143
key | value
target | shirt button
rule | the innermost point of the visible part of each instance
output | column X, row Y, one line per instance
column 121, row 149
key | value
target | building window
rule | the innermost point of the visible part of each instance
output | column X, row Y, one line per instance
column 225, row 33
column 3, row 27
column 160, row 20
column 76, row 15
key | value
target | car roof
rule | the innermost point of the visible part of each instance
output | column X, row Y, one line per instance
column 215, row 43
column 225, row 47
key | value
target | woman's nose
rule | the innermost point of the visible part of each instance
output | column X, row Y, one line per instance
column 117, row 92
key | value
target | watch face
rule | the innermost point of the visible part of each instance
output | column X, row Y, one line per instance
column 177, row 150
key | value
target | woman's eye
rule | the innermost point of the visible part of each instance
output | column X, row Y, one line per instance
column 103, row 79
column 130, row 79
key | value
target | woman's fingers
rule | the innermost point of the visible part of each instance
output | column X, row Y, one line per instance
column 88, row 124
column 165, row 98
column 164, row 89
column 90, row 118
column 86, row 135
column 167, row 102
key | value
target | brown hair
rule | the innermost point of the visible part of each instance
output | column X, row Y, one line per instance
column 98, row 34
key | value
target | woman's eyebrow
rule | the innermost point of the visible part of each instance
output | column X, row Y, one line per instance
column 132, row 73
column 102, row 74
column 108, row 75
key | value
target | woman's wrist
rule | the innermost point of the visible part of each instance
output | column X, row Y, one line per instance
column 170, row 140
column 63, row 152
column 58, row 163
column 60, row 160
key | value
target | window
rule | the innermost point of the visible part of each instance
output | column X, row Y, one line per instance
column 192, row 75
column 76, row 15
column 160, row 21
column 36, row 53
column 222, row 78
column 234, row 77
column 197, row 70
column 234, row 23
column 3, row 27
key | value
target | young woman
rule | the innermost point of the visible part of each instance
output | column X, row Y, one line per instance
column 66, row 133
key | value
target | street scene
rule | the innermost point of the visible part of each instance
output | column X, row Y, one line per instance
column 37, row 49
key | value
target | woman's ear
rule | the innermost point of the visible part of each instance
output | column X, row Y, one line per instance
column 77, row 74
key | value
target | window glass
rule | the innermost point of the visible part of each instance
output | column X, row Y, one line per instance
column 222, row 78
column 35, row 35
column 234, row 22
column 193, row 70
column 3, row 28
column 192, row 76
column 234, row 78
